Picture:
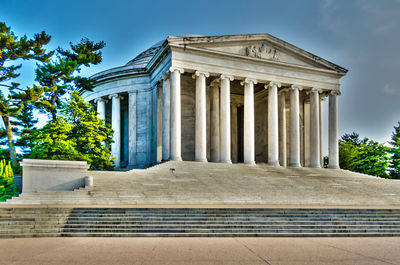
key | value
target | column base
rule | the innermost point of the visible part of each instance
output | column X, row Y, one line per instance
column 250, row 163
column 226, row 162
column 274, row 163
column 333, row 167
column 176, row 158
column 315, row 166
column 295, row 165
column 203, row 160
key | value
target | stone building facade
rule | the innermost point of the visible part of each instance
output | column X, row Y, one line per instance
column 239, row 98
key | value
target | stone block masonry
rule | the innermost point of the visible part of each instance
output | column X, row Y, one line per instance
column 40, row 174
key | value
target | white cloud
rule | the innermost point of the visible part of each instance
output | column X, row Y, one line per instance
column 390, row 90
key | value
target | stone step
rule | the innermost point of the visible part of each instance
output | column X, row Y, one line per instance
column 31, row 234
column 228, row 215
column 221, row 234
column 83, row 218
column 291, row 229
column 188, row 222
column 236, row 226
column 197, row 222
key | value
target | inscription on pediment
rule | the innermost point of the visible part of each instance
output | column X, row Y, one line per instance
column 263, row 52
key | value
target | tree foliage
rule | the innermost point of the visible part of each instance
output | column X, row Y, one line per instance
column 13, row 48
column 78, row 135
column 24, row 125
column 395, row 152
column 61, row 76
column 7, row 187
column 363, row 155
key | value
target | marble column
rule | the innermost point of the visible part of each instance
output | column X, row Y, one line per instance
column 159, row 123
column 101, row 108
column 333, row 130
column 215, row 123
column 321, row 144
column 234, row 132
column 294, row 156
column 273, row 136
column 166, row 118
column 175, row 134
column 132, row 122
column 116, row 126
column 225, row 119
column 201, row 121
column 282, row 127
column 249, row 138
column 314, row 129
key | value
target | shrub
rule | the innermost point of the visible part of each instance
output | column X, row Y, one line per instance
column 7, row 187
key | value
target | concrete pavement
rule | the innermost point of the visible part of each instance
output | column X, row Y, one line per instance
column 200, row 251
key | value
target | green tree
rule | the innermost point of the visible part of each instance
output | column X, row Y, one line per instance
column 395, row 152
column 53, row 142
column 91, row 135
column 371, row 158
column 61, row 76
column 24, row 125
column 78, row 135
column 12, row 49
column 363, row 155
column 7, row 187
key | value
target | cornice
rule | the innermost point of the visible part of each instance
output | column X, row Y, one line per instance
column 175, row 47
column 209, row 40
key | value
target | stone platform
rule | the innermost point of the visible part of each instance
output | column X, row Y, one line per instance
column 194, row 184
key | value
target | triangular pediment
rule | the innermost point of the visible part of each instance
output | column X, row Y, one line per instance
column 259, row 46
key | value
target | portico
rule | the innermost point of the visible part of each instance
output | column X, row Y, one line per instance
column 243, row 98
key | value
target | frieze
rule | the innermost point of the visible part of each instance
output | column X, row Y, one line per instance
column 263, row 52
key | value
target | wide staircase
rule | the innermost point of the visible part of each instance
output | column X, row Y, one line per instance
column 197, row 222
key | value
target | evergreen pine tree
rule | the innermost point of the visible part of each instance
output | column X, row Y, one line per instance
column 25, row 123
column 14, row 48
column 395, row 151
column 61, row 75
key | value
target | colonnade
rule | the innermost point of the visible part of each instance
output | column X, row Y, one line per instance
column 221, row 121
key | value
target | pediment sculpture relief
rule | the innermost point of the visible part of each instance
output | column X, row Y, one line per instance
column 263, row 52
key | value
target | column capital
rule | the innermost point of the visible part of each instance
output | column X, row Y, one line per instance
column 165, row 76
column 293, row 87
column 132, row 92
column 100, row 99
column 272, row 84
column 334, row 93
column 223, row 76
column 198, row 73
column 115, row 96
column 314, row 90
column 283, row 90
column 173, row 69
column 248, row 81
column 215, row 83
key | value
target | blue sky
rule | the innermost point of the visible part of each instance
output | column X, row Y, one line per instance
column 360, row 35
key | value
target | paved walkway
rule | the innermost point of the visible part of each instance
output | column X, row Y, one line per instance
column 200, row 251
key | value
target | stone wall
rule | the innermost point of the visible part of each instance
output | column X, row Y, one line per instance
column 261, row 127
column 188, row 112
column 38, row 174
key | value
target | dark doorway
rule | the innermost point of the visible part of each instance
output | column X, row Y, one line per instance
column 240, row 123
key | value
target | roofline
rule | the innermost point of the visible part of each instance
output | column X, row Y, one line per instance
column 171, row 41
column 260, row 36
column 128, row 70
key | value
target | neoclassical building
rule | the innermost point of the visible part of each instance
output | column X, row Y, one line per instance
column 249, row 98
